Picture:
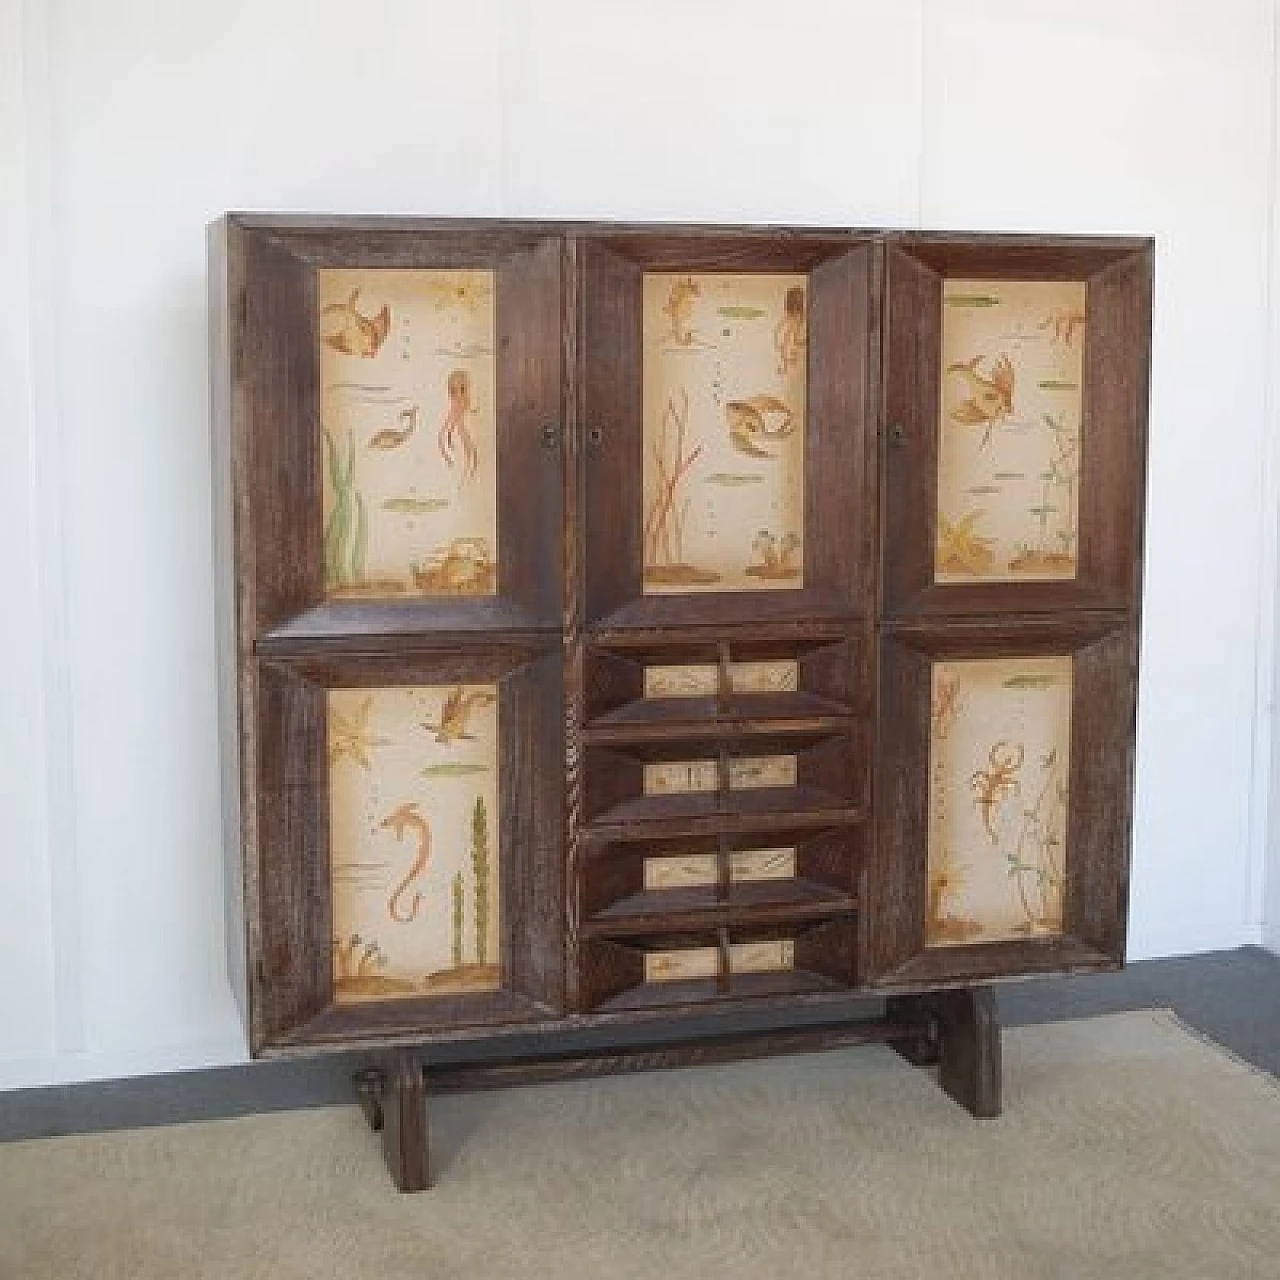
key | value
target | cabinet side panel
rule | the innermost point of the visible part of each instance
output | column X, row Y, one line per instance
column 897, row 868
column 841, row 502
column 907, row 532
column 224, row 287
column 1114, row 464
column 1101, row 817
column 611, row 402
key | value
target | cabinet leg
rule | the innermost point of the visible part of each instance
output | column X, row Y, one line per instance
column 969, row 1034
column 921, row 1049
column 961, row 1035
column 394, row 1101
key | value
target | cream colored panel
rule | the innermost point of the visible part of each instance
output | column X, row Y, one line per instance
column 1009, row 430
column 408, row 432
column 693, row 871
column 750, row 773
column 681, row 777
column 692, row 680
column 1000, row 749
column 701, row 870
column 704, row 962
column 764, row 677
column 413, row 823
column 762, row 957
column 746, row 773
column 724, row 427
column 762, row 864
column 702, row 679
column 683, row 965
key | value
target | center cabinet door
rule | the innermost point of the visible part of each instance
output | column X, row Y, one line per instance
column 727, row 391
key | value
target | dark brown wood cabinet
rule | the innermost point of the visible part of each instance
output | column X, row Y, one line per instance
column 625, row 624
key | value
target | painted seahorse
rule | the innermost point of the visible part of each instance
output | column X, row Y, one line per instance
column 407, row 817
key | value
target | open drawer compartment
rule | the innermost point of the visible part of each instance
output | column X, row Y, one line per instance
column 646, row 682
column 728, row 963
column 719, row 772
column 782, row 874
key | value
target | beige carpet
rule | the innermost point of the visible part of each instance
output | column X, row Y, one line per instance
column 1128, row 1149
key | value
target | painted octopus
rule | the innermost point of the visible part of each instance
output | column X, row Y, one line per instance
column 454, row 433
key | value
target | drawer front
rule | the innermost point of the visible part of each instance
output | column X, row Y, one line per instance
column 730, row 963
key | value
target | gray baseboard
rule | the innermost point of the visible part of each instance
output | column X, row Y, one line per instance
column 1231, row 996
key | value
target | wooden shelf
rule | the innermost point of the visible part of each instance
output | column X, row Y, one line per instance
column 747, row 986
column 740, row 713
column 756, row 903
column 660, row 819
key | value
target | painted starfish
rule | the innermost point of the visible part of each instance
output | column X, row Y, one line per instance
column 350, row 736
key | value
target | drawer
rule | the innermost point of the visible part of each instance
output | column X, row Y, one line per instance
column 642, row 681
column 729, row 963
column 816, row 766
column 791, row 874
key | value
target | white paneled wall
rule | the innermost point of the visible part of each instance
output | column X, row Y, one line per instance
column 126, row 124
column 1119, row 115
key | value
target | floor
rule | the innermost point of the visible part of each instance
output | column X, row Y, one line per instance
column 1231, row 996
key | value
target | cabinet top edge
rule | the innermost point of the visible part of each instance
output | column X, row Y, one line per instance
column 304, row 223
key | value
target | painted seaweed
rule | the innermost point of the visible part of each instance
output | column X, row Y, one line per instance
column 480, row 877
column 455, row 950
column 346, row 534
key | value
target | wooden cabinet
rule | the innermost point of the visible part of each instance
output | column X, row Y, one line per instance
column 621, row 624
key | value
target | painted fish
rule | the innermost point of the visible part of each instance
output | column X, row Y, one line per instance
column 748, row 423
column 990, row 397
column 394, row 437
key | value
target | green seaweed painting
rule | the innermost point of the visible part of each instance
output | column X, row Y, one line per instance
column 480, row 877
column 457, row 920
column 1060, row 474
column 1035, row 865
column 346, row 534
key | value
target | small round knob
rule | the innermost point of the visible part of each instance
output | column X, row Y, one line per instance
column 595, row 437
column 897, row 435
column 550, row 436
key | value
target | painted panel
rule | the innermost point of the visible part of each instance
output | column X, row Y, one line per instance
column 413, row 810
column 746, row 773
column 1009, row 430
column 724, row 429
column 691, row 680
column 999, row 754
column 702, row 679
column 700, row 870
column 682, row 965
column 762, row 957
column 704, row 962
column 409, row 432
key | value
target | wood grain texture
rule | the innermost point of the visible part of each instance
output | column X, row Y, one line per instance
column 1113, row 421
column 294, row 865
column 570, row 631
column 840, row 450
column 1097, row 853
column 405, row 1142
column 660, row 1056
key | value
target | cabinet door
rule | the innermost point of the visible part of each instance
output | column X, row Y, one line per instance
column 1003, row 795
column 726, row 395
column 397, row 411
column 1015, row 413
column 404, row 853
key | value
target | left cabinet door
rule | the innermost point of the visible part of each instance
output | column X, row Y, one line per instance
column 397, row 408
column 387, row 410
column 404, row 869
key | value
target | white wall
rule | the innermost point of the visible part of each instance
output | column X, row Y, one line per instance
column 125, row 126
